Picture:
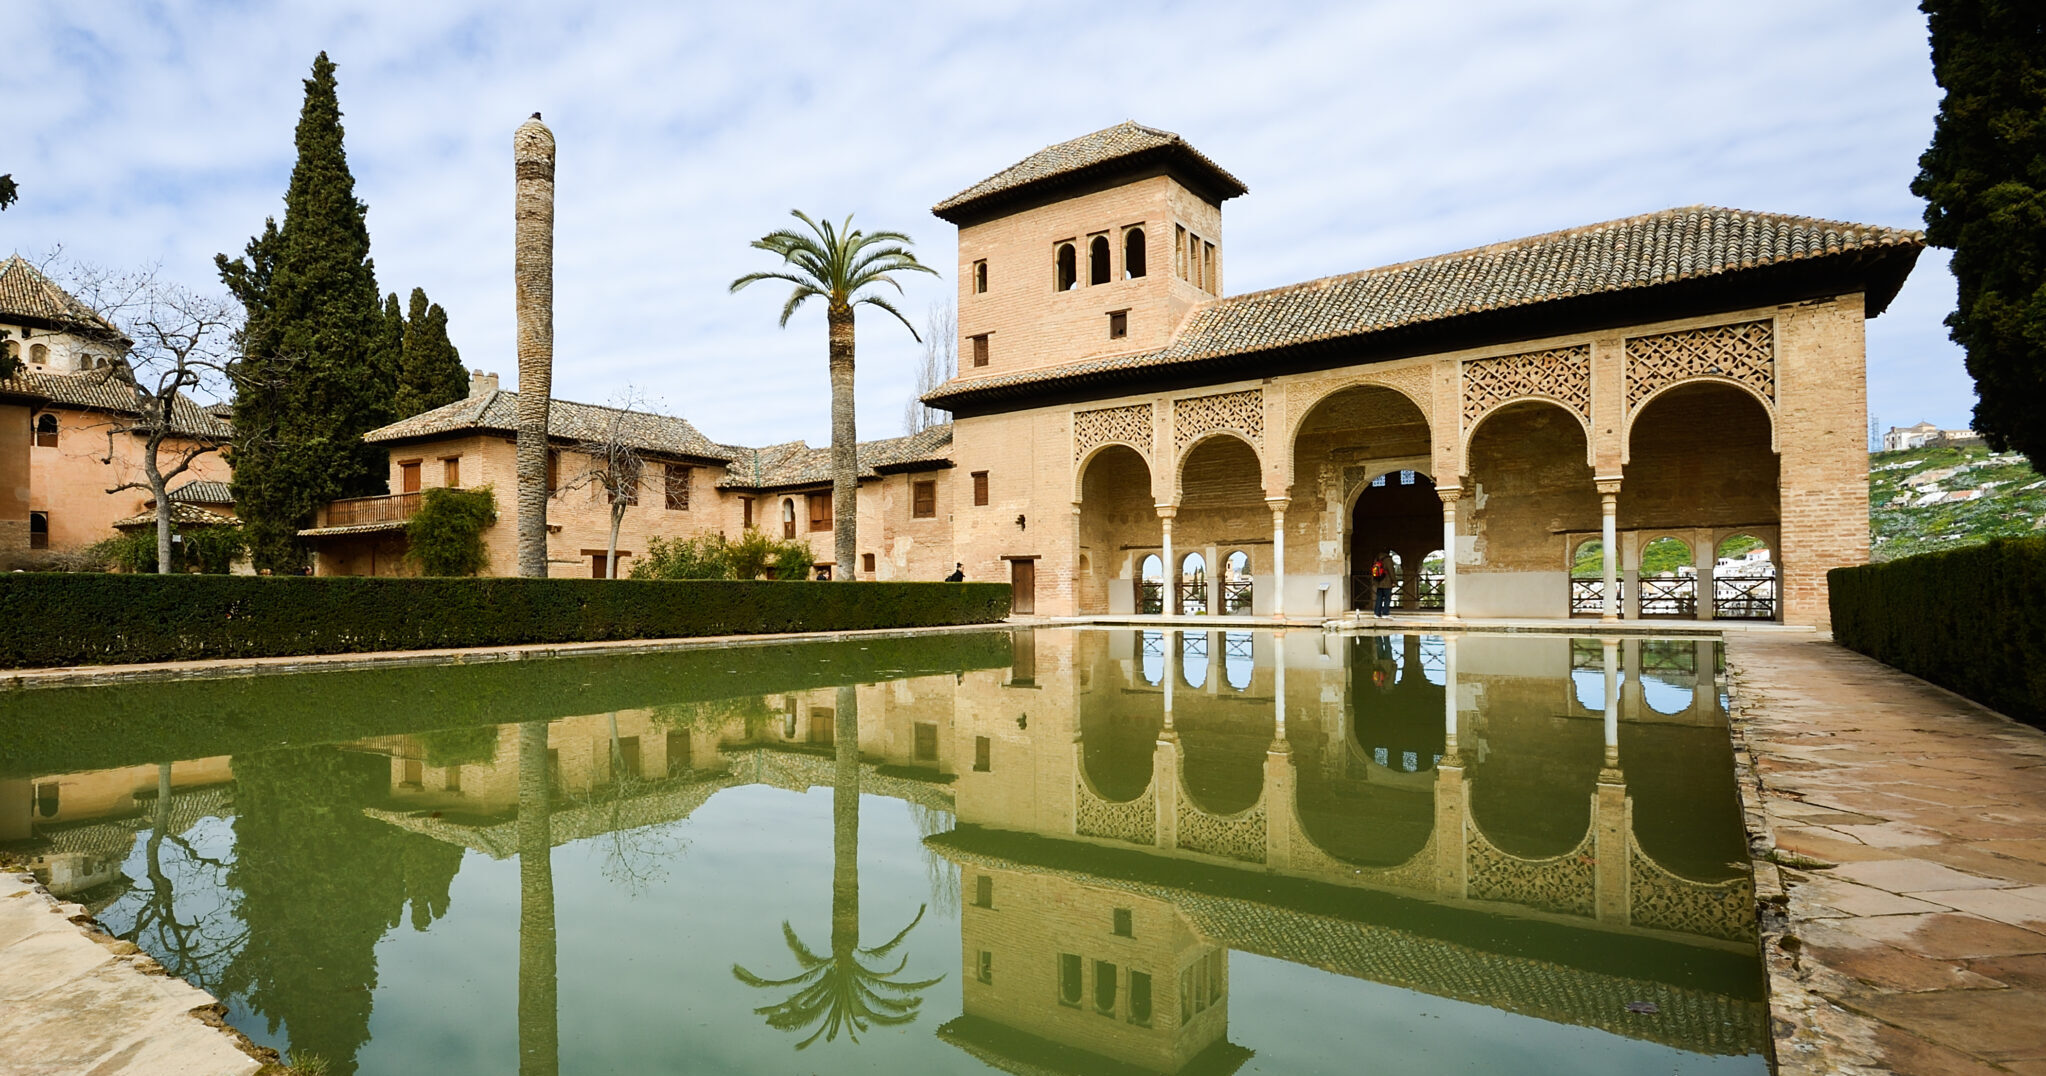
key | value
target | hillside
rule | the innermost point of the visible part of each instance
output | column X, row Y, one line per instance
column 1932, row 498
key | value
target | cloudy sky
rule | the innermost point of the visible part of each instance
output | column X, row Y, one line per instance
column 1368, row 133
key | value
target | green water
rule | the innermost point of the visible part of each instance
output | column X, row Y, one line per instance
column 1041, row 851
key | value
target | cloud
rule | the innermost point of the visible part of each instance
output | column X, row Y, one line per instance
column 1368, row 133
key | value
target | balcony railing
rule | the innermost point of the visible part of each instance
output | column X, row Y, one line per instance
column 1674, row 596
column 1236, row 597
column 1587, row 596
column 1150, row 596
column 396, row 508
column 1744, row 598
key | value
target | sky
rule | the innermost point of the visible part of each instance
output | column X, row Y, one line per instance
column 1368, row 133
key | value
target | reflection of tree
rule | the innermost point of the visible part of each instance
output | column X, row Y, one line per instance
column 319, row 885
column 851, row 988
column 539, row 1027
column 193, row 947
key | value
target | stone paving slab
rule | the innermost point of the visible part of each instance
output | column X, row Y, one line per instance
column 1899, row 834
column 76, row 1001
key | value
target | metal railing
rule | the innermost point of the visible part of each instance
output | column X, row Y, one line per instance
column 396, row 508
column 1150, row 597
column 1431, row 589
column 1236, row 597
column 1586, row 596
column 1744, row 598
column 1676, row 596
column 1193, row 596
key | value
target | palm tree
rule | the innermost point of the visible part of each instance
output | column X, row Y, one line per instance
column 533, row 280
column 839, row 264
column 850, row 988
column 538, row 1008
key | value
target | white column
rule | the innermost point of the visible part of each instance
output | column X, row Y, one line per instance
column 1168, row 602
column 1449, row 695
column 1704, row 554
column 1170, row 641
column 1609, row 540
column 1279, row 687
column 1450, row 496
column 1611, row 648
column 1278, row 506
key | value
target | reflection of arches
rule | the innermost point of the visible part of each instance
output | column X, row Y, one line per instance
column 1589, row 685
column 1238, row 659
column 1531, row 792
column 1193, row 659
column 1688, row 819
column 1151, row 654
column 1116, row 748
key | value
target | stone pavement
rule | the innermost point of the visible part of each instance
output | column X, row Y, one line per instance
column 1900, row 843
column 76, row 1001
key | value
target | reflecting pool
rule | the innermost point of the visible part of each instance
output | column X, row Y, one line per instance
column 1064, row 851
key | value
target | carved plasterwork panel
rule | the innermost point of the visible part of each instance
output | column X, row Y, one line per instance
column 1416, row 383
column 1662, row 900
column 1242, row 411
column 1135, row 821
column 1743, row 352
column 1562, row 374
column 1238, row 836
column 1129, row 425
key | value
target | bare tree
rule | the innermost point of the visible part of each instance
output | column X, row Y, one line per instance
column 177, row 342
column 613, row 466
column 940, row 364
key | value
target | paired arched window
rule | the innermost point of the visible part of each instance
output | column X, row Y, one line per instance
column 1133, row 254
column 46, row 431
column 1097, row 260
column 1068, row 269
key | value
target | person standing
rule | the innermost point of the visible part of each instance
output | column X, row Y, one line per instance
column 1381, row 586
column 958, row 573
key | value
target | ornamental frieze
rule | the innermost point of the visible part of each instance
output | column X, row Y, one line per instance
column 1243, row 412
column 1562, row 374
column 1743, row 352
column 1129, row 425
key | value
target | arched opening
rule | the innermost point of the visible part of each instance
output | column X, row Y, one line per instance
column 1193, row 658
column 1432, row 588
column 1119, row 729
column 1221, row 504
column 1133, row 254
column 1067, row 273
column 1239, row 659
column 1528, row 467
column 1343, row 442
column 1151, row 656
column 1193, row 585
column 1116, row 515
column 1680, row 479
column 788, row 517
column 1098, row 268
column 48, row 798
column 39, row 353
column 1374, row 804
column 1151, row 585
column 1236, row 583
column 980, row 278
column 46, row 430
column 1587, row 578
column 1744, row 580
column 1397, row 518
column 39, row 530
column 1668, row 579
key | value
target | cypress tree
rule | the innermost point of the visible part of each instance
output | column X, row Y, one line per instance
column 430, row 373
column 318, row 366
column 1984, row 181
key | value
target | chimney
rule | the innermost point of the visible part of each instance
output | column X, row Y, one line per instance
column 481, row 384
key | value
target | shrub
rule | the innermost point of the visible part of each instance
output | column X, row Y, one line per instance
column 711, row 556
column 85, row 619
column 445, row 537
column 210, row 550
column 1972, row 620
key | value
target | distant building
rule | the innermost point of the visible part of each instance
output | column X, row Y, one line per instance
column 1899, row 438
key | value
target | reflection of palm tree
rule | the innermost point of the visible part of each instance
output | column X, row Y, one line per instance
column 851, row 988
column 539, row 1029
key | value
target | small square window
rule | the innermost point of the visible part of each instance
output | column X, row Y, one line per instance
column 980, row 487
column 1125, row 925
column 924, row 500
column 926, row 745
column 980, row 350
column 984, row 891
column 867, row 563
column 1118, row 325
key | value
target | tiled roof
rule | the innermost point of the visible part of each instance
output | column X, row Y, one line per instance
column 202, row 492
column 183, row 514
column 1624, row 255
column 498, row 412
column 107, row 390
column 795, row 463
column 1124, row 145
column 25, row 293
column 353, row 528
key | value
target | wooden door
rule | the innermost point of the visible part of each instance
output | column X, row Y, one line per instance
column 408, row 477
column 1023, row 581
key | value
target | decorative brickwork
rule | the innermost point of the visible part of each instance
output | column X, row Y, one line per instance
column 1565, row 884
column 1743, row 352
column 1238, row 836
column 1562, row 374
column 1135, row 821
column 1661, row 900
column 1242, row 411
column 1130, row 425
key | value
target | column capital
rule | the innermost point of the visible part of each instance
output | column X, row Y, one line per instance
column 1167, row 511
column 1278, row 504
column 1449, row 494
column 1608, row 485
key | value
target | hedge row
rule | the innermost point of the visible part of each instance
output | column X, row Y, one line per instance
column 1972, row 620
column 83, row 618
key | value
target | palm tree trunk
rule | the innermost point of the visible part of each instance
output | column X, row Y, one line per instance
column 539, row 1027
column 845, row 824
column 611, row 551
column 533, row 273
column 845, row 484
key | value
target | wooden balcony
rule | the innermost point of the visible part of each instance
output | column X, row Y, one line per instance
column 396, row 508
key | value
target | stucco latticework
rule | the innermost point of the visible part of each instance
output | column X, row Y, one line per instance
column 1743, row 352
column 1135, row 821
column 1239, row 836
column 1130, row 425
column 1562, row 374
column 1661, row 900
column 1243, row 412
column 1564, row 884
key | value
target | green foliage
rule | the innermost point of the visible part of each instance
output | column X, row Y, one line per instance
column 712, row 556
column 209, row 550
column 9, row 191
column 446, row 534
column 459, row 746
column 2012, row 503
column 58, row 619
column 1973, row 620
column 430, row 372
column 318, row 365
column 1984, row 182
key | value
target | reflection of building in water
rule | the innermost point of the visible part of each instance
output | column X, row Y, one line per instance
column 85, row 824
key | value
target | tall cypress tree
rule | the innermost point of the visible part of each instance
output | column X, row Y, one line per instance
column 318, row 368
column 1984, row 181
column 431, row 372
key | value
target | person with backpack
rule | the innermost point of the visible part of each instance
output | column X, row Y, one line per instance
column 1381, row 586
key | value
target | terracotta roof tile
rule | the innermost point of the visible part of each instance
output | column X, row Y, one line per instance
column 795, row 463
column 107, row 390
column 497, row 412
column 1622, row 255
column 183, row 514
column 1125, row 144
column 202, row 492
column 25, row 293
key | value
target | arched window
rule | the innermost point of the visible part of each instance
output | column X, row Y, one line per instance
column 1744, row 580
column 1587, row 579
column 1669, row 581
column 788, row 517
column 980, row 278
column 46, row 430
column 1193, row 584
column 1068, row 274
column 1097, row 260
column 1133, row 254
column 1236, row 583
column 39, row 530
column 47, row 799
column 39, row 353
column 1151, row 585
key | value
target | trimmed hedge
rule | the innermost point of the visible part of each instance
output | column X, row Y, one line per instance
column 85, row 619
column 1971, row 620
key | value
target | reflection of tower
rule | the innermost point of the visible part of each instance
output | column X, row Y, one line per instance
column 1061, row 976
